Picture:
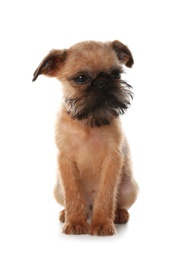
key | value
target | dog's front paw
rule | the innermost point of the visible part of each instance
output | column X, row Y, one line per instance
column 105, row 229
column 75, row 228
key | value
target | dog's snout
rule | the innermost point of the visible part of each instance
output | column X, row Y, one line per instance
column 101, row 84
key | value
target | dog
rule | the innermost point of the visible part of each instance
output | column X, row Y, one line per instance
column 95, row 181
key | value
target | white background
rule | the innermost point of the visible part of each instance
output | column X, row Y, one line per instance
column 29, row 227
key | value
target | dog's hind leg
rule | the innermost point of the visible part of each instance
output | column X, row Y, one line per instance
column 126, row 197
column 127, row 193
column 58, row 193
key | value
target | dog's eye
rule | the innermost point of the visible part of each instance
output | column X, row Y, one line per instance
column 81, row 79
column 116, row 74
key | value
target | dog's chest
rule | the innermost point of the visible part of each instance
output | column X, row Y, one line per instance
column 88, row 147
column 91, row 151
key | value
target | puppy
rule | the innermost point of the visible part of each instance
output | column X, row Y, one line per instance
column 94, row 182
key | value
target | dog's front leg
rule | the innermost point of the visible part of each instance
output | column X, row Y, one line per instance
column 105, row 202
column 75, row 208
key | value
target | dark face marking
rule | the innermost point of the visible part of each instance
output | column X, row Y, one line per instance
column 101, row 99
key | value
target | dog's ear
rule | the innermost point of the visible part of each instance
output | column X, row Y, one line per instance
column 123, row 53
column 50, row 64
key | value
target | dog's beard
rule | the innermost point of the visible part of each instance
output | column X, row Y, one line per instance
column 99, row 109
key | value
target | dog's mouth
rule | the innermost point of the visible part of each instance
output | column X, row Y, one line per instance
column 100, row 109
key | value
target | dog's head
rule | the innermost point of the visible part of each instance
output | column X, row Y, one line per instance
column 91, row 76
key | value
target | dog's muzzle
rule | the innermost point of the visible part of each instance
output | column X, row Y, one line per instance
column 102, row 84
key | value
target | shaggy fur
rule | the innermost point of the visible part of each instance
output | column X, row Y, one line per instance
column 94, row 181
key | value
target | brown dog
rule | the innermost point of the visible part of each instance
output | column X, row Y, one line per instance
column 94, row 167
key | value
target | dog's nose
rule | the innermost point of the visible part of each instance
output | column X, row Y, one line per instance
column 102, row 84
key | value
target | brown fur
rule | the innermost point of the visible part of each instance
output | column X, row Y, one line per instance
column 94, row 177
